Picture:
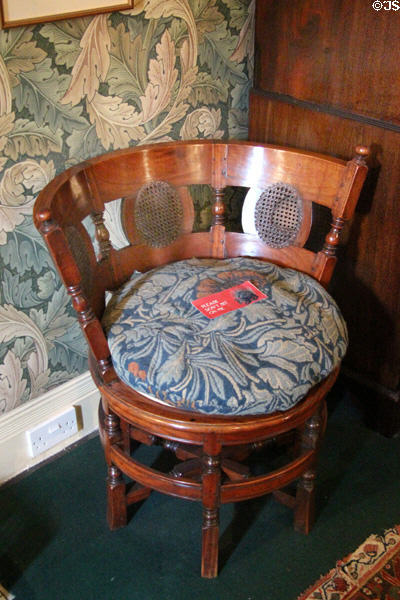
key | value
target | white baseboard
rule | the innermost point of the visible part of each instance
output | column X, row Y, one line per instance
column 14, row 451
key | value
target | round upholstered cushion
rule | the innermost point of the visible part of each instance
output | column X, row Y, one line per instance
column 257, row 359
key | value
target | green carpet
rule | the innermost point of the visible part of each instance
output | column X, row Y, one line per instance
column 55, row 544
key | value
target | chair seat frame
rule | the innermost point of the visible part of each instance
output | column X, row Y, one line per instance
column 213, row 435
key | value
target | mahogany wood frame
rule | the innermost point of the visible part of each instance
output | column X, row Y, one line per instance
column 211, row 448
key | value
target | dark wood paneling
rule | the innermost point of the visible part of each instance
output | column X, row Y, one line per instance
column 327, row 78
column 340, row 53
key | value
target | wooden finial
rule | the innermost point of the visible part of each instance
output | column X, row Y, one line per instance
column 362, row 152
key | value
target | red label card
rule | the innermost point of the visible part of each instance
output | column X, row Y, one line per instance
column 233, row 298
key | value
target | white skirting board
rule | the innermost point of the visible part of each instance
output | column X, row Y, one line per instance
column 14, row 449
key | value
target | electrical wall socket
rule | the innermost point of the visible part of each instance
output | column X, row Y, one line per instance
column 48, row 434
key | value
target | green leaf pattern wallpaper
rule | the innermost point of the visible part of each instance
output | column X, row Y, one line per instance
column 69, row 90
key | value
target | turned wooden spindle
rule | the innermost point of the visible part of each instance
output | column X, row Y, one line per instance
column 102, row 235
column 333, row 238
column 112, row 425
column 81, row 305
column 218, row 208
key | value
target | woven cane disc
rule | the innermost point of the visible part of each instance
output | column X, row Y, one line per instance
column 278, row 215
column 158, row 213
column 79, row 250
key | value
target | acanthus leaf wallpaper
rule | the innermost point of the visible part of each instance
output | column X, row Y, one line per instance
column 70, row 90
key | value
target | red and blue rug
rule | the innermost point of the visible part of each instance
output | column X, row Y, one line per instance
column 372, row 572
column 4, row 595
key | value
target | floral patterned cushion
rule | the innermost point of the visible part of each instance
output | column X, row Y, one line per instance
column 258, row 359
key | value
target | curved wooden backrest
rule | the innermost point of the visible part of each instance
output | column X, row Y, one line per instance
column 72, row 212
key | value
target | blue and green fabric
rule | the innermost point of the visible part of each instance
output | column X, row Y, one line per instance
column 258, row 359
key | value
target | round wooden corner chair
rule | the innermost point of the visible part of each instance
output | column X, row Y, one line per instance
column 213, row 389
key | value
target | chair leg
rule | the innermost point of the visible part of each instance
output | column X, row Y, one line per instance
column 304, row 512
column 211, row 479
column 116, row 487
column 116, row 499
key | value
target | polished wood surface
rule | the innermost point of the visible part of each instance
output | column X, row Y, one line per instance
column 210, row 449
column 336, row 53
column 326, row 79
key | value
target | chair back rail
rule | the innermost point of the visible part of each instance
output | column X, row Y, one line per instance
column 122, row 173
column 316, row 177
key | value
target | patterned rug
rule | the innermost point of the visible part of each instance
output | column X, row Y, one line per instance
column 372, row 572
column 4, row 595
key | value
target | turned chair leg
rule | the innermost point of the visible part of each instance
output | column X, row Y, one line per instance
column 116, row 499
column 211, row 480
column 116, row 488
column 304, row 512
